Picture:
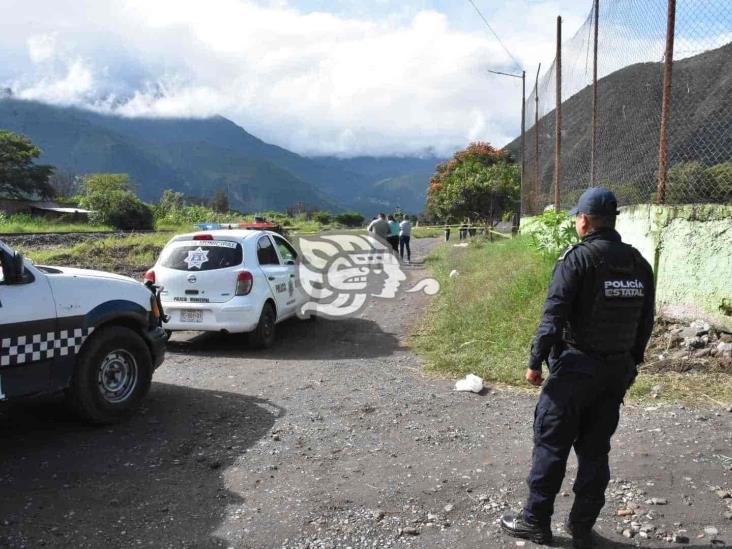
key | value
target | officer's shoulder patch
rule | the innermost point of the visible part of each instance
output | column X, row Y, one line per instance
column 564, row 254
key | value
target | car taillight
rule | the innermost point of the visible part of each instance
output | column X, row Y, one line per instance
column 149, row 276
column 202, row 237
column 244, row 283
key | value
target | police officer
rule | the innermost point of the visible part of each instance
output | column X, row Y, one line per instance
column 597, row 320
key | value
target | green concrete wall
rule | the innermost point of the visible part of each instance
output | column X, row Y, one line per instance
column 690, row 248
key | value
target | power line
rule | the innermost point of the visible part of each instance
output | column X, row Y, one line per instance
column 495, row 34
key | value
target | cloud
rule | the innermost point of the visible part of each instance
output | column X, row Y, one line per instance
column 312, row 81
column 41, row 47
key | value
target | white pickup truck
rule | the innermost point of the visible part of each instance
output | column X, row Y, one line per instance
column 96, row 336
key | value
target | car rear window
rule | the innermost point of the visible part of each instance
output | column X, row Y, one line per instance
column 201, row 255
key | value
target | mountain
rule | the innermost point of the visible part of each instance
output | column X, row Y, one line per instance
column 629, row 108
column 392, row 181
column 200, row 156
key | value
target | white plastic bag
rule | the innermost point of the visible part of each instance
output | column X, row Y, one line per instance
column 471, row 383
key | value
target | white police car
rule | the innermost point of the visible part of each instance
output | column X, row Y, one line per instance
column 94, row 335
column 230, row 281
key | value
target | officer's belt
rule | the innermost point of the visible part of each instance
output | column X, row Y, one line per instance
column 603, row 356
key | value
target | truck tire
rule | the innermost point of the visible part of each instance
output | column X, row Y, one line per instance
column 112, row 375
column 263, row 336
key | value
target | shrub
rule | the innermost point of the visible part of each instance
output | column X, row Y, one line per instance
column 324, row 218
column 349, row 219
column 120, row 209
column 553, row 232
column 686, row 181
column 719, row 181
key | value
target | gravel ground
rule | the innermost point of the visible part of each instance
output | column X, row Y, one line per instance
column 334, row 439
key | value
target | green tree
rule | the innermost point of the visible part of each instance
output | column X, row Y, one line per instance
column 220, row 201
column 107, row 182
column 480, row 182
column 170, row 201
column 19, row 176
column 112, row 202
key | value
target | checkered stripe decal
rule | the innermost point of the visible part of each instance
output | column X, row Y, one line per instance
column 32, row 348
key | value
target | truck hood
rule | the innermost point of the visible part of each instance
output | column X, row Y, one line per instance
column 85, row 273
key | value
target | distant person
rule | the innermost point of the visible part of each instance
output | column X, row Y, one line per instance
column 405, row 233
column 393, row 238
column 380, row 227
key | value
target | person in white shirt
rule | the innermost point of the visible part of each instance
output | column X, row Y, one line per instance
column 405, row 233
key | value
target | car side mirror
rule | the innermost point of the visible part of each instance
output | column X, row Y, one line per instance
column 17, row 269
column 290, row 262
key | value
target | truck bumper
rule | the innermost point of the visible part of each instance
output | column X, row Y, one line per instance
column 231, row 317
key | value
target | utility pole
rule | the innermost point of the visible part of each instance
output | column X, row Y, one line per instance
column 523, row 132
column 593, row 146
column 523, row 143
column 665, row 102
column 535, row 194
column 558, row 118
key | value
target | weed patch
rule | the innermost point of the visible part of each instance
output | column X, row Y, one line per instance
column 484, row 319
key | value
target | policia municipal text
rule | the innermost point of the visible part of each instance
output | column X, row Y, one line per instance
column 597, row 320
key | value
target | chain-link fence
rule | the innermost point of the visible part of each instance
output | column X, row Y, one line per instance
column 631, row 43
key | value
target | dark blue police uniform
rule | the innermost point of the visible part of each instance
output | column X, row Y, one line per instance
column 597, row 320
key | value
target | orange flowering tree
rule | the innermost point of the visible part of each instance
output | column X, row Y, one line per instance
column 478, row 183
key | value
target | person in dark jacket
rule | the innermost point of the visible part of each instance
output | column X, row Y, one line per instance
column 597, row 321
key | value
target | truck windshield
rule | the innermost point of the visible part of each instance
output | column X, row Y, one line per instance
column 201, row 255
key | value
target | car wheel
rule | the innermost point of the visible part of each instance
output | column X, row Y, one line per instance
column 263, row 336
column 112, row 375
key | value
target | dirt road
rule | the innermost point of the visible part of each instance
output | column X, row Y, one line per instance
column 334, row 439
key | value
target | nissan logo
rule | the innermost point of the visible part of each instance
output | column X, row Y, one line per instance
column 192, row 278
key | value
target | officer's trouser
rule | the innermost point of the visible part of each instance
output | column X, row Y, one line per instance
column 580, row 410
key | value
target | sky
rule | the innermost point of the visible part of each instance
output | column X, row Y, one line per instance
column 336, row 77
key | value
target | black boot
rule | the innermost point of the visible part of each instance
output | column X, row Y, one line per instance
column 581, row 536
column 518, row 527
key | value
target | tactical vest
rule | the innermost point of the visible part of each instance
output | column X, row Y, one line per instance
column 608, row 324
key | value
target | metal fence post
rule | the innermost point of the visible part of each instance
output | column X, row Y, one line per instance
column 667, row 69
column 535, row 193
column 593, row 153
column 523, row 145
column 558, row 118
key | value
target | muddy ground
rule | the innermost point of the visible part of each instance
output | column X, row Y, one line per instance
column 334, row 438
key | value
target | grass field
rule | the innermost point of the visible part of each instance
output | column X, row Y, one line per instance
column 129, row 255
column 483, row 320
column 35, row 225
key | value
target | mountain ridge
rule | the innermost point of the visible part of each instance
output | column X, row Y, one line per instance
column 201, row 155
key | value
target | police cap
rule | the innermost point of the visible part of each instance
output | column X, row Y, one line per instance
column 596, row 201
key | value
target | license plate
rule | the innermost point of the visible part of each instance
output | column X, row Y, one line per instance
column 191, row 316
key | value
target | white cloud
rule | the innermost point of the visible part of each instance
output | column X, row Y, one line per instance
column 41, row 47
column 76, row 87
column 317, row 83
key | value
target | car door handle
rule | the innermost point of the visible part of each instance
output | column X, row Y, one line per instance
column 270, row 278
column 292, row 276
